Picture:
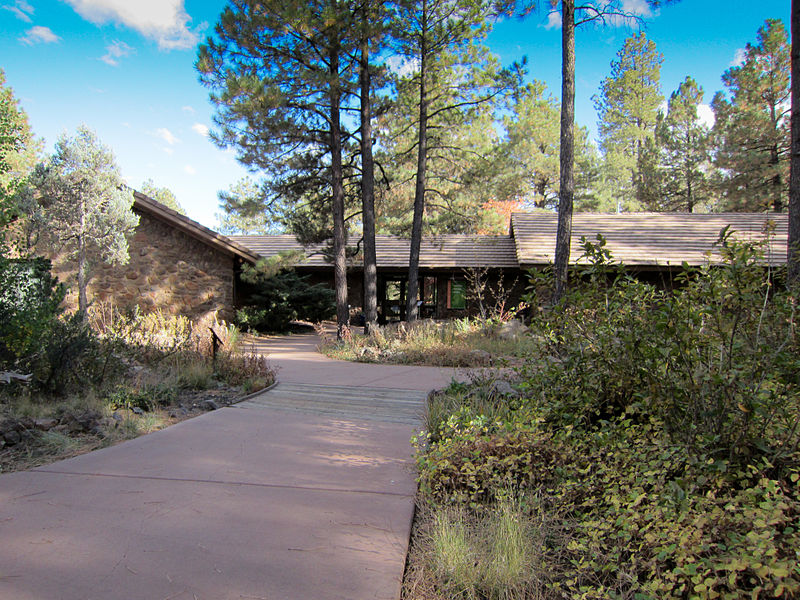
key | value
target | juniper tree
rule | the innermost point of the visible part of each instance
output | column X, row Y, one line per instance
column 86, row 208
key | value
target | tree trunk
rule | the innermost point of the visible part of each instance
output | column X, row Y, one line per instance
column 339, row 234
column 412, row 290
column 368, row 189
column 794, row 182
column 567, row 154
column 83, row 304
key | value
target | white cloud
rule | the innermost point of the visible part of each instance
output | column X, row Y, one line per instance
column 166, row 135
column 39, row 35
column 165, row 21
column 187, row 109
column 114, row 52
column 639, row 8
column 21, row 9
column 189, row 169
column 168, row 150
column 553, row 20
column 739, row 57
column 705, row 115
column 402, row 66
column 200, row 129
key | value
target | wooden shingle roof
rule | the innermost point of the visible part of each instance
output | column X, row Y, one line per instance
column 441, row 251
column 646, row 239
column 190, row 227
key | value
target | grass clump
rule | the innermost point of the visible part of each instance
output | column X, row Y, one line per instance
column 657, row 432
column 456, row 343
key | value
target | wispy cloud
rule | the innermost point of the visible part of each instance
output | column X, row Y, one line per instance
column 553, row 20
column 166, row 135
column 187, row 109
column 21, row 9
column 115, row 51
column 739, row 57
column 189, row 170
column 39, row 35
column 165, row 21
column 200, row 129
column 168, row 150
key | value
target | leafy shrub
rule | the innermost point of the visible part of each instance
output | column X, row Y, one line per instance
column 474, row 460
column 250, row 370
column 283, row 298
column 29, row 306
column 658, row 428
column 145, row 397
column 716, row 360
column 70, row 360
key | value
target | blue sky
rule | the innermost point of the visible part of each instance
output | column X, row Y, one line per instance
column 126, row 69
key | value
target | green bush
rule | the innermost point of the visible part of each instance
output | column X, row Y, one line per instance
column 72, row 358
column 716, row 360
column 145, row 397
column 658, row 428
column 283, row 298
column 29, row 306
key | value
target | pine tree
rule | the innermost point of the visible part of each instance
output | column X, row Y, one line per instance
column 628, row 107
column 683, row 153
column 752, row 125
column 533, row 148
column 281, row 72
column 450, row 76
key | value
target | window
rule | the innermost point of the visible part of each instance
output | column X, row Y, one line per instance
column 429, row 291
column 457, row 294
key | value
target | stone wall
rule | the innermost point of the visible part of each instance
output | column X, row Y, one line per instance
column 167, row 270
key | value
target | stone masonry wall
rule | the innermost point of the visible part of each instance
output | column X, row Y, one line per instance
column 167, row 270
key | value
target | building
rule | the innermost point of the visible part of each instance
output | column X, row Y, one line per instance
column 182, row 267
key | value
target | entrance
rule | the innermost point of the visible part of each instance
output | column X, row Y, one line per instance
column 392, row 298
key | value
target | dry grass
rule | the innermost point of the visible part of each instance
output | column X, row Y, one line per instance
column 499, row 553
column 459, row 343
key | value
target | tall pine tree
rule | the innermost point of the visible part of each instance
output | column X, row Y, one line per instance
column 628, row 108
column 280, row 73
column 752, row 125
column 683, row 153
column 450, row 76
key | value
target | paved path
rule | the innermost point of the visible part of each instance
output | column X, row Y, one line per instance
column 304, row 492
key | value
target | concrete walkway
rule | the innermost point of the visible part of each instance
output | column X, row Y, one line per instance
column 304, row 492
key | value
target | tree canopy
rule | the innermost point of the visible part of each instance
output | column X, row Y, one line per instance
column 86, row 208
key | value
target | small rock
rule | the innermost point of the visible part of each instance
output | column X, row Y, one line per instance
column 209, row 405
column 184, row 411
column 173, row 414
column 116, row 416
column 11, row 438
column 45, row 424
column 511, row 330
column 481, row 356
column 137, row 411
column 503, row 388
